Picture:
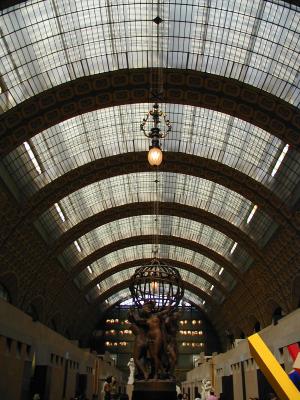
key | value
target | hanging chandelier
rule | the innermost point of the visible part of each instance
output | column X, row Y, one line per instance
column 155, row 155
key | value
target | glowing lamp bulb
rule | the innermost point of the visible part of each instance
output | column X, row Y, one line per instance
column 155, row 156
column 154, row 286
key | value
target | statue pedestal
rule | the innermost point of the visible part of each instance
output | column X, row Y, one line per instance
column 154, row 390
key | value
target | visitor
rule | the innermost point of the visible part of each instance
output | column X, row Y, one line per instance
column 212, row 396
column 114, row 389
column 179, row 396
column 198, row 396
column 107, row 388
column 36, row 397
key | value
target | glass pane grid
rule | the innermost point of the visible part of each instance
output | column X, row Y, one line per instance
column 146, row 251
column 145, row 225
column 141, row 187
column 116, row 130
column 45, row 44
column 115, row 279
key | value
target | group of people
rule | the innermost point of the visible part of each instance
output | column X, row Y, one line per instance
column 110, row 388
column 210, row 396
column 155, row 349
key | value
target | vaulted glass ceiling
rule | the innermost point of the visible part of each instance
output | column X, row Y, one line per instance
column 124, row 294
column 46, row 43
column 142, row 251
column 141, row 187
column 122, row 276
column 144, row 225
column 116, row 130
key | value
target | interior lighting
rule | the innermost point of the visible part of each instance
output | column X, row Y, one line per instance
column 98, row 286
column 203, row 302
column 59, row 211
column 233, row 248
column 155, row 155
column 280, row 159
column 251, row 214
column 32, row 157
column 221, row 271
column 212, row 286
column 77, row 246
column 194, row 322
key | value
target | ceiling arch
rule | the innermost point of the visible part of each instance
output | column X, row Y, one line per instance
column 167, row 248
column 213, row 260
column 101, row 59
column 146, row 226
column 132, row 86
column 137, row 263
column 200, row 279
column 190, row 287
column 217, row 295
column 116, row 130
column 174, row 163
column 163, row 208
column 45, row 45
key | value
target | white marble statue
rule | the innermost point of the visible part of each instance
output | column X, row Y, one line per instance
column 131, row 369
column 206, row 387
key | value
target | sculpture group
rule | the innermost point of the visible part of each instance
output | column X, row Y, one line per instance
column 155, row 348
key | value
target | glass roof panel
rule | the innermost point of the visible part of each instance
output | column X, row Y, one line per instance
column 126, row 274
column 46, row 43
column 125, row 294
column 132, row 253
column 141, row 187
column 144, row 225
column 116, row 130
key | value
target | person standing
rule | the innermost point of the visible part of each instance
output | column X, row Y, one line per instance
column 212, row 396
column 114, row 389
column 107, row 388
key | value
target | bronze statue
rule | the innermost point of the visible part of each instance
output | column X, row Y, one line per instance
column 171, row 325
column 156, row 290
column 155, row 348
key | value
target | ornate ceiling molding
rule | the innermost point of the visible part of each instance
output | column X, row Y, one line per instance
column 126, row 86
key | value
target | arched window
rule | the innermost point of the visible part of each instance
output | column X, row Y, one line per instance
column 4, row 294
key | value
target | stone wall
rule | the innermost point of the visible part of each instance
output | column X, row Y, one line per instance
column 238, row 366
column 34, row 358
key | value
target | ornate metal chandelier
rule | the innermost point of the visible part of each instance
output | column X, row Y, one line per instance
column 155, row 155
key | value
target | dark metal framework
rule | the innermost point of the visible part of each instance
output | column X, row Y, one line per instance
column 159, row 283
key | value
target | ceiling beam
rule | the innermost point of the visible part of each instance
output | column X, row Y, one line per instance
column 128, row 86
column 136, row 263
column 164, row 208
column 150, row 239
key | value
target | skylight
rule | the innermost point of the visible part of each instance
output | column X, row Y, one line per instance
column 32, row 157
column 60, row 213
column 90, row 269
column 251, row 214
column 77, row 246
column 280, row 159
column 233, row 248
